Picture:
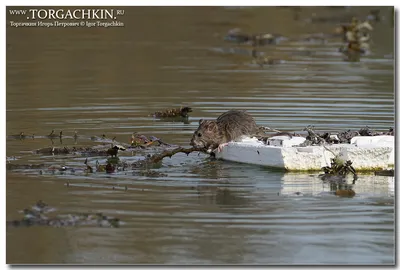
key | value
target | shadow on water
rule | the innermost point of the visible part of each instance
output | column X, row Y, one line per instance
column 192, row 209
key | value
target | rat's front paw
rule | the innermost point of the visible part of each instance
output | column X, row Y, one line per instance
column 222, row 145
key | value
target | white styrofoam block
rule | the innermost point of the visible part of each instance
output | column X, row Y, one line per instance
column 383, row 140
column 290, row 158
column 295, row 158
column 374, row 141
column 285, row 141
column 251, row 140
column 391, row 157
column 367, row 157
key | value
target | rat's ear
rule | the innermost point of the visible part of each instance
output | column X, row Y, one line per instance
column 201, row 121
column 211, row 126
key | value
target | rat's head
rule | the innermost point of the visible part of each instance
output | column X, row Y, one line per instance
column 205, row 135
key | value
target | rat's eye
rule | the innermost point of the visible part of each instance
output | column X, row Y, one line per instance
column 198, row 134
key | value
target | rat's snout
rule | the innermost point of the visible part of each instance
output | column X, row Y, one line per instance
column 196, row 142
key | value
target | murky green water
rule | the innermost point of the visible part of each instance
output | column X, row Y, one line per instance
column 107, row 80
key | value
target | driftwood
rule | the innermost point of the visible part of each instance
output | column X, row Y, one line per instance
column 167, row 153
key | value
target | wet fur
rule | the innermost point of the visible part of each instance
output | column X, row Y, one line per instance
column 229, row 126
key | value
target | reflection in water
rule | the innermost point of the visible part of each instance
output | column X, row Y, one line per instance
column 365, row 185
column 107, row 81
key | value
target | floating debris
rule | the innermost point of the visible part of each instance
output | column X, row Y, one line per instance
column 52, row 135
column 312, row 138
column 113, row 151
column 97, row 138
column 181, row 112
column 354, row 50
column 112, row 164
column 267, row 39
column 138, row 140
column 339, row 168
column 160, row 142
column 236, row 35
column 110, row 167
column 12, row 166
column 339, row 137
column 36, row 217
column 368, row 132
column 356, row 37
column 385, row 172
column 152, row 173
column 21, row 136
column 262, row 60
column 88, row 168
column 73, row 150
column 61, row 136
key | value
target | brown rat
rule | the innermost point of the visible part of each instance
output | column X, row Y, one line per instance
column 229, row 126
